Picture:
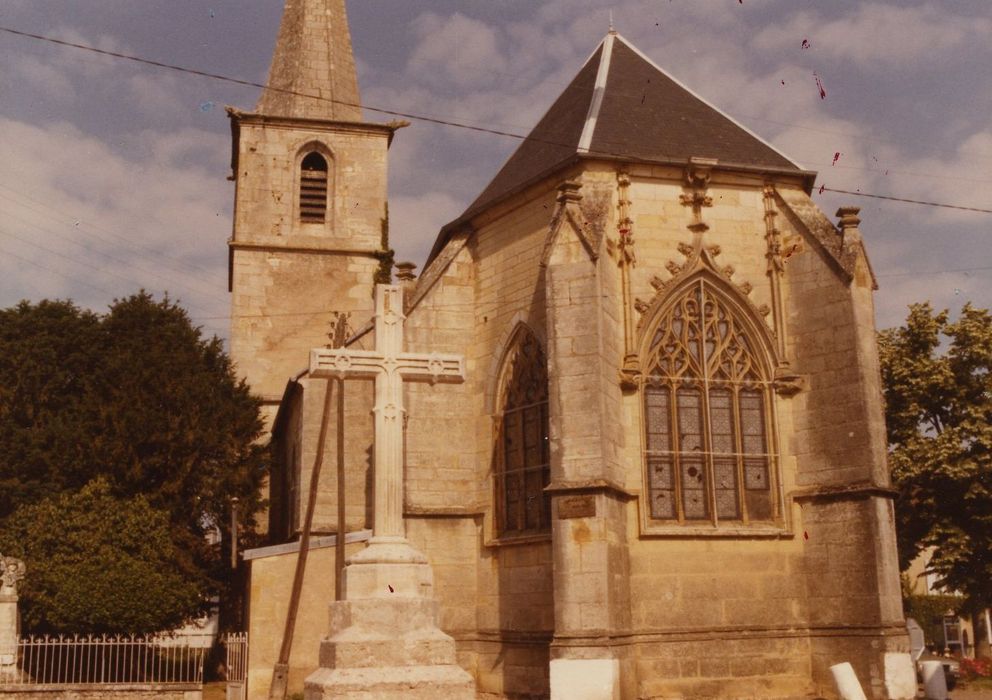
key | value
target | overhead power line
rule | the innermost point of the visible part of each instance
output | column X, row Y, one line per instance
column 396, row 113
column 909, row 201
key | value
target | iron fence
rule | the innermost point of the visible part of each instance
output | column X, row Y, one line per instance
column 105, row 659
column 236, row 648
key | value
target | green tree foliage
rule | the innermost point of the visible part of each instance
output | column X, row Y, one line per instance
column 938, row 392
column 136, row 396
column 99, row 563
column 929, row 612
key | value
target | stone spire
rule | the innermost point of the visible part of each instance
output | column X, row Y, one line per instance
column 313, row 59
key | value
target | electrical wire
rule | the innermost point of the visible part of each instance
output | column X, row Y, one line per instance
column 391, row 112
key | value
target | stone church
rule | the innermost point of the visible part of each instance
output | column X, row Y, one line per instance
column 623, row 437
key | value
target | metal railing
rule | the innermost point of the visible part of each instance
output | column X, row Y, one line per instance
column 106, row 660
column 236, row 648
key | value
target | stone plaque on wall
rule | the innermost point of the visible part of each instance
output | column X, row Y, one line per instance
column 576, row 507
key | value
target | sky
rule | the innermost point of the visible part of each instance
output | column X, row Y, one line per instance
column 113, row 175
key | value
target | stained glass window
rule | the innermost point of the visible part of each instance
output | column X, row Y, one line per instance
column 706, row 404
column 523, row 463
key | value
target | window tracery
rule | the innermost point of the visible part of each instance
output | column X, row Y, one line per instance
column 523, row 459
column 707, row 405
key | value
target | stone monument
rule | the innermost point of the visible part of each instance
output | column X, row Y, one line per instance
column 384, row 641
column 11, row 572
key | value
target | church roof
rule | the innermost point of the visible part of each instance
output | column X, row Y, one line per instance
column 621, row 106
column 313, row 69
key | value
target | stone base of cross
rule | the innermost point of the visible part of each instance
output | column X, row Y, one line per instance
column 384, row 637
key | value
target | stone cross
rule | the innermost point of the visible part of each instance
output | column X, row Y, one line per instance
column 389, row 366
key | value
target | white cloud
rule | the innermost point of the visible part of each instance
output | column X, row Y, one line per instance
column 456, row 49
column 415, row 220
column 878, row 36
column 104, row 225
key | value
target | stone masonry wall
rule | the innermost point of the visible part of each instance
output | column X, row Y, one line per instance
column 271, row 583
column 287, row 276
column 717, row 616
column 502, row 617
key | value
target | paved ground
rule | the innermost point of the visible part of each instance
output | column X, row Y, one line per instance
column 215, row 691
column 966, row 694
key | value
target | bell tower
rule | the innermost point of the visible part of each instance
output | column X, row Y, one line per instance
column 310, row 201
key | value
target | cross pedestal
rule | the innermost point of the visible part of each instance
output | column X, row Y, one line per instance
column 9, row 634
column 384, row 641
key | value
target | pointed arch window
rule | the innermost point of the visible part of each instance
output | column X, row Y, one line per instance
column 523, row 464
column 707, row 409
column 313, row 188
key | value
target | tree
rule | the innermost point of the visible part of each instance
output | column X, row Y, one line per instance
column 136, row 396
column 939, row 412
column 98, row 563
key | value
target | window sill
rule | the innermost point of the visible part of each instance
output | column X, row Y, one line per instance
column 763, row 531
column 513, row 540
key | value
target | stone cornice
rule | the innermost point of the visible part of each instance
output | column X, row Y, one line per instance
column 413, row 510
column 558, row 488
column 276, row 245
column 843, row 492
column 610, row 638
column 316, row 124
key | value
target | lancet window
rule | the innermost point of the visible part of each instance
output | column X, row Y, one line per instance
column 707, row 409
column 313, row 188
column 523, row 460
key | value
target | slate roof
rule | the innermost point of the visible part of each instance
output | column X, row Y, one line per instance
column 622, row 106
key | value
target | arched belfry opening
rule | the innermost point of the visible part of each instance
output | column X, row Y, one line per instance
column 313, row 188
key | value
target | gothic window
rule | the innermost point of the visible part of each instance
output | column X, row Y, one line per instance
column 522, row 460
column 707, row 408
column 313, row 188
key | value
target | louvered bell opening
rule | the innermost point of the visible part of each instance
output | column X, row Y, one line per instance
column 313, row 189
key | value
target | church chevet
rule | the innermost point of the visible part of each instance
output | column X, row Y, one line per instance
column 623, row 437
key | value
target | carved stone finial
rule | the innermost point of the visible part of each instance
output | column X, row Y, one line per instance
column 569, row 191
column 641, row 306
column 849, row 221
column 697, row 179
column 13, row 570
column 686, row 249
column 788, row 383
column 340, row 329
column 699, row 171
column 849, row 217
column 404, row 271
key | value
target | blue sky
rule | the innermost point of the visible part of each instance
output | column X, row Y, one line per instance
column 113, row 175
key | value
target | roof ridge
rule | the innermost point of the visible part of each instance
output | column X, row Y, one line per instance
column 702, row 99
column 599, row 89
